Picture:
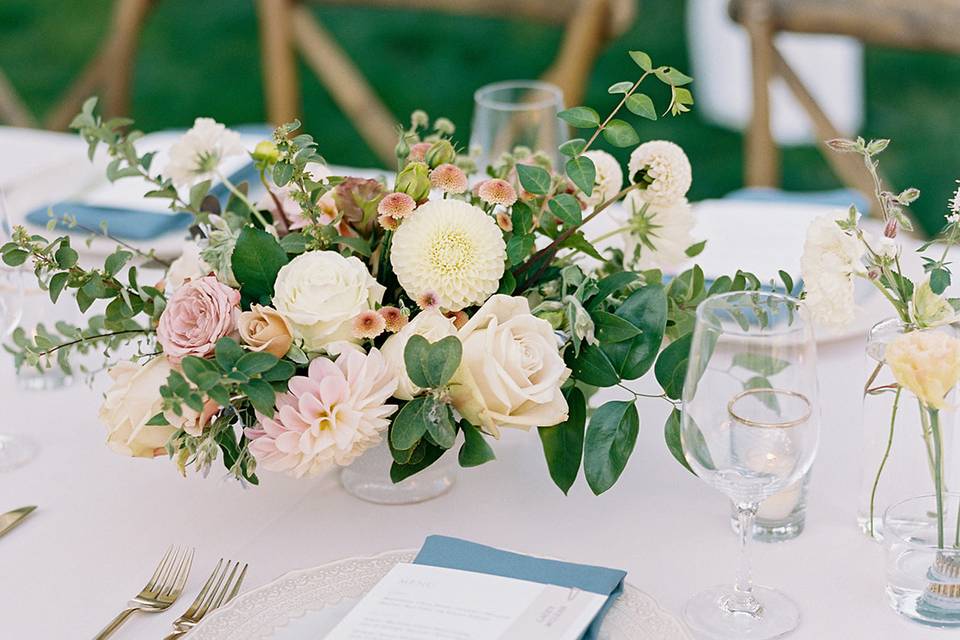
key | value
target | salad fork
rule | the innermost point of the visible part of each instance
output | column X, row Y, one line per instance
column 161, row 591
column 220, row 588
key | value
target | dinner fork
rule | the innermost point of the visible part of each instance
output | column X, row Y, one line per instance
column 220, row 588
column 162, row 590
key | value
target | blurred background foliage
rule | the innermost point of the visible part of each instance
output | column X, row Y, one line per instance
column 202, row 58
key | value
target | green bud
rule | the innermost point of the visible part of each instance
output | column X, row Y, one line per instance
column 266, row 151
column 414, row 180
column 441, row 152
column 402, row 150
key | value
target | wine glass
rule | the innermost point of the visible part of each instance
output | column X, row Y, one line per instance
column 517, row 113
column 15, row 450
column 750, row 429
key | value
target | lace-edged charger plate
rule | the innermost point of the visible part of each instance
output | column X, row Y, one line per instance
column 306, row 604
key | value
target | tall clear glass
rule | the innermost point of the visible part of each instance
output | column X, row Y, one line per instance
column 517, row 113
column 750, row 429
column 15, row 450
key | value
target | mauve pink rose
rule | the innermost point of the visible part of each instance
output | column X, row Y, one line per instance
column 200, row 312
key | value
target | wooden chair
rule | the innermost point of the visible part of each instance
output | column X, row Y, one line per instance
column 288, row 26
column 930, row 25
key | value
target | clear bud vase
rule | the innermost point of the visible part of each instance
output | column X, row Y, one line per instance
column 898, row 445
column 368, row 478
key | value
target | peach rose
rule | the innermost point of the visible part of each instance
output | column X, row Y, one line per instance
column 264, row 329
column 200, row 312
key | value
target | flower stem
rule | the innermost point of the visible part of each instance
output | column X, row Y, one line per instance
column 883, row 461
column 610, row 234
column 243, row 198
column 938, row 471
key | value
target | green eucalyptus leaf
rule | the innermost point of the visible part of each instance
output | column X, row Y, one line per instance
column 261, row 395
column 563, row 443
column 620, row 133
column 619, row 87
column 582, row 172
column 643, row 60
column 609, row 442
column 410, row 424
column 580, row 117
column 571, row 148
column 254, row 362
column 431, row 365
column 641, row 105
column 227, row 352
column 519, row 247
column 567, row 209
column 441, row 427
column 671, row 76
column 534, row 179
column 425, row 455
column 57, row 284
column 475, row 450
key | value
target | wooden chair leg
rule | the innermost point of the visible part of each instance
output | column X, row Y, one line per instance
column 582, row 43
column 762, row 154
column 346, row 84
column 279, row 61
column 128, row 20
column 12, row 109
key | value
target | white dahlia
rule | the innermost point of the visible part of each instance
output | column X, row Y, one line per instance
column 197, row 154
column 659, row 236
column 609, row 177
column 831, row 258
column 450, row 249
column 665, row 169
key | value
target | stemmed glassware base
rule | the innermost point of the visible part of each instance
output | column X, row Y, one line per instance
column 16, row 451
column 709, row 614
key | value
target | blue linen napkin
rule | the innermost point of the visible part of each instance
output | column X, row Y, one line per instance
column 133, row 224
column 453, row 553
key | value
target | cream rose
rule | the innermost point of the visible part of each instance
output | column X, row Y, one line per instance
column 926, row 363
column 321, row 292
column 432, row 325
column 511, row 371
column 129, row 404
column 264, row 329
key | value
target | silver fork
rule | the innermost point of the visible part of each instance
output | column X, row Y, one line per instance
column 220, row 588
column 162, row 590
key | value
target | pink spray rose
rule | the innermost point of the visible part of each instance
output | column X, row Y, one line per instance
column 200, row 312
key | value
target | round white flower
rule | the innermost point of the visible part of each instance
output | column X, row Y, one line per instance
column 887, row 248
column 665, row 168
column 321, row 292
column 189, row 266
column 450, row 249
column 831, row 258
column 659, row 236
column 511, row 371
column 609, row 180
column 432, row 325
column 198, row 153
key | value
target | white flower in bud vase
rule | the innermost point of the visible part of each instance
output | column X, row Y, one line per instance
column 451, row 249
column 198, row 153
column 658, row 236
column 664, row 169
column 189, row 266
column 320, row 293
column 609, row 180
column 430, row 324
column 512, row 370
column 831, row 260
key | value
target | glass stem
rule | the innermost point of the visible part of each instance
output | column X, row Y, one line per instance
column 743, row 600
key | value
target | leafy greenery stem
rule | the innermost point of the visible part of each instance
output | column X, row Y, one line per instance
column 610, row 234
column 893, row 301
column 636, row 394
column 877, row 185
column 883, row 461
column 99, row 336
column 276, row 201
column 938, row 471
column 148, row 255
column 243, row 198
column 613, row 113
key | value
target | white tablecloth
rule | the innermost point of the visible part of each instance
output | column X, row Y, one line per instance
column 104, row 520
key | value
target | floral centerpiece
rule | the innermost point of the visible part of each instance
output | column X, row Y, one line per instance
column 297, row 332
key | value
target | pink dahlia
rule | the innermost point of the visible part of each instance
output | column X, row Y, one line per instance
column 396, row 205
column 394, row 319
column 419, row 151
column 369, row 324
column 198, row 314
column 449, row 178
column 497, row 191
column 328, row 417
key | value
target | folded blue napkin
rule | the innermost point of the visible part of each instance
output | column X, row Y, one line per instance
column 133, row 224
column 453, row 553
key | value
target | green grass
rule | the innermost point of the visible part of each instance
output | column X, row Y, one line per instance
column 202, row 58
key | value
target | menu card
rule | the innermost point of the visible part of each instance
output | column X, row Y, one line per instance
column 421, row 602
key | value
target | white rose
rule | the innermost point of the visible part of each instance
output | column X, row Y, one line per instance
column 511, row 371
column 432, row 325
column 321, row 292
column 189, row 266
column 129, row 404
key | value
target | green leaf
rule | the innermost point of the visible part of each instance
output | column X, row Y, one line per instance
column 612, row 328
column 769, row 399
column 475, row 450
column 294, row 243
column 571, row 148
column 282, row 173
column 198, row 192
column 563, row 443
column 508, row 283
column 593, row 367
column 254, row 362
column 261, row 395
column 158, row 420
column 428, row 454
column 281, row 372
column 609, row 441
column 939, row 280
column 760, row 363
column 580, row 117
column 410, row 424
column 567, row 209
column 579, row 242
column 431, row 365
column 619, row 87
column 582, row 173
column 115, row 261
column 610, row 285
column 256, row 261
column 671, row 76
column 641, row 105
column 66, row 256
column 534, row 179
column 646, row 309
column 16, row 257
column 671, row 367
column 619, row 133
column 671, row 433
column 227, row 352
column 440, row 425
column 57, row 283
column 357, row 245
column 643, row 60
column 195, row 369
column 519, row 247
column 695, row 249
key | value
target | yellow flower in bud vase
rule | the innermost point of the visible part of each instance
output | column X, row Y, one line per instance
column 928, row 308
column 926, row 363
